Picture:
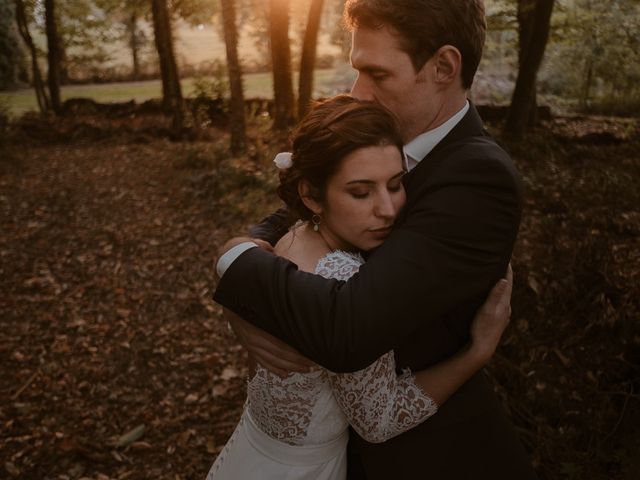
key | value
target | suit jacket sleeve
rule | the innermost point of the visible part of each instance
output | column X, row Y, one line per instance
column 454, row 244
column 273, row 227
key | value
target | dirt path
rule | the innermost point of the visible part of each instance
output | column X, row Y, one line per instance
column 106, row 274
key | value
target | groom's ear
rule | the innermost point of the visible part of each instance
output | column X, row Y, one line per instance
column 448, row 64
column 308, row 195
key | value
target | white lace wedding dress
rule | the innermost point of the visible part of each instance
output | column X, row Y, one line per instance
column 296, row 428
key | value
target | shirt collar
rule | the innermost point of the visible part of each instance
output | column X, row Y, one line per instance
column 421, row 146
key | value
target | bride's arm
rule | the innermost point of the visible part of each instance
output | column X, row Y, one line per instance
column 381, row 404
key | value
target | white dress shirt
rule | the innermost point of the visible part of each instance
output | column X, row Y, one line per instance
column 421, row 146
column 414, row 152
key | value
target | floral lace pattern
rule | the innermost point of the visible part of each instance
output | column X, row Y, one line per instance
column 339, row 264
column 315, row 407
column 379, row 403
column 282, row 407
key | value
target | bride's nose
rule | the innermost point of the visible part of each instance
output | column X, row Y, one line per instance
column 384, row 206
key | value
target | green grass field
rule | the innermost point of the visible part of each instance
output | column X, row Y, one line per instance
column 327, row 81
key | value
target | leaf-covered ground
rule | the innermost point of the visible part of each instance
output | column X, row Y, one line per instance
column 106, row 320
column 114, row 360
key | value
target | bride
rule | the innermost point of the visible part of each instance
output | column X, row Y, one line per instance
column 343, row 182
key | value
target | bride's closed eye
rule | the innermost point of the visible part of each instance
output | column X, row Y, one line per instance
column 360, row 193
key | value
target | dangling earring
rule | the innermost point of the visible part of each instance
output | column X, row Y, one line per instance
column 316, row 219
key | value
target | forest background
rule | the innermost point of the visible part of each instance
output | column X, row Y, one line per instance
column 136, row 136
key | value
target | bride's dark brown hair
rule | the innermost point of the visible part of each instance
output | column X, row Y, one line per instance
column 326, row 135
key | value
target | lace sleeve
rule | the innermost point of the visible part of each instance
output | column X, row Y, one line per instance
column 379, row 403
column 339, row 265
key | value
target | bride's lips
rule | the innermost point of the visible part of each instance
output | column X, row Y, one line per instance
column 380, row 233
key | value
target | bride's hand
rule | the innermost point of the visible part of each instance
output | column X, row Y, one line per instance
column 492, row 318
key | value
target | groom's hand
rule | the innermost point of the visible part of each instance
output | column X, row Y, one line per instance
column 273, row 354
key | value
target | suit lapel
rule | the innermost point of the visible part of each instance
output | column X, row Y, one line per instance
column 469, row 126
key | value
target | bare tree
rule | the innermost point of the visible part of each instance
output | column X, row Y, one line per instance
column 281, row 64
column 308, row 57
column 53, row 55
column 534, row 33
column 132, row 11
column 44, row 103
column 171, row 89
column 134, row 43
column 238, row 130
column 526, row 19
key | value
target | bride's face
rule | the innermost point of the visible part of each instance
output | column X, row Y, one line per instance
column 363, row 198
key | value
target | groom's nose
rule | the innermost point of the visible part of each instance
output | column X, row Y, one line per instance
column 361, row 89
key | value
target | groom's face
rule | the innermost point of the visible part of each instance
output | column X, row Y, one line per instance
column 386, row 75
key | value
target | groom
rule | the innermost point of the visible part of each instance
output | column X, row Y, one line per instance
column 418, row 292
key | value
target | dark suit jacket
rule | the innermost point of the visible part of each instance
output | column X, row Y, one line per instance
column 417, row 294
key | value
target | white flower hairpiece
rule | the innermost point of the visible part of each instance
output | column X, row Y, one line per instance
column 283, row 160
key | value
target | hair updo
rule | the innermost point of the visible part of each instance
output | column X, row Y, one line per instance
column 333, row 129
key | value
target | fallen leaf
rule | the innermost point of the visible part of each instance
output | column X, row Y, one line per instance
column 228, row 373
column 565, row 361
column 131, row 436
column 12, row 469
column 533, row 284
column 211, row 446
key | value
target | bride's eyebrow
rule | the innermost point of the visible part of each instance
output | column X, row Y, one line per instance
column 367, row 182
column 370, row 182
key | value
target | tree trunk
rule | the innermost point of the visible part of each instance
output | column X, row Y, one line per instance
column 53, row 55
column 171, row 90
column 586, row 86
column 308, row 57
column 238, row 131
column 526, row 21
column 38, row 85
column 585, row 92
column 64, row 60
column 281, row 65
column 533, row 53
column 134, row 44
